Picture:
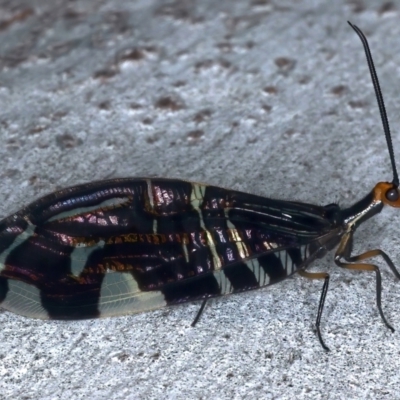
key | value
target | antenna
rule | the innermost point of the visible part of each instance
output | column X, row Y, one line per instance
column 379, row 99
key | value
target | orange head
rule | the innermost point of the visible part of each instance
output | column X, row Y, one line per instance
column 387, row 193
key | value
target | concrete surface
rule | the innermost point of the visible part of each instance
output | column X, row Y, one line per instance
column 269, row 97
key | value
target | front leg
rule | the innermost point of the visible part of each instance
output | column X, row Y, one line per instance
column 344, row 253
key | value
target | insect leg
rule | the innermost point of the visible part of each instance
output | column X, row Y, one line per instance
column 375, row 253
column 203, row 304
column 325, row 276
column 344, row 253
column 368, row 254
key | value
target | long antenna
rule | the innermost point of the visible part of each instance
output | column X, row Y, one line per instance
column 379, row 99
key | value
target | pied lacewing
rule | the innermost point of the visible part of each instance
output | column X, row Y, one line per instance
column 130, row 245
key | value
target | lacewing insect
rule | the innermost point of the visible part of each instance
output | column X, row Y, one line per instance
column 125, row 246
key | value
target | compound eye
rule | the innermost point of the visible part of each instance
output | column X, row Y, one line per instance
column 392, row 194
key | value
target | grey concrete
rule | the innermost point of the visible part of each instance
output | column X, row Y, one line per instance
column 270, row 97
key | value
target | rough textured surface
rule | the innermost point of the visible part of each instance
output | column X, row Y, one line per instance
column 270, row 97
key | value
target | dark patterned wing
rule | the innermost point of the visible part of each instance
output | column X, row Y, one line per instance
column 129, row 245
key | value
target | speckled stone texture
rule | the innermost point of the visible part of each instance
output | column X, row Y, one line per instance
column 266, row 96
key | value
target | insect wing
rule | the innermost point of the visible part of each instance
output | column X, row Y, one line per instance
column 130, row 245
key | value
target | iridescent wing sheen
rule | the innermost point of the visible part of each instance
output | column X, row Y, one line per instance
column 130, row 245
